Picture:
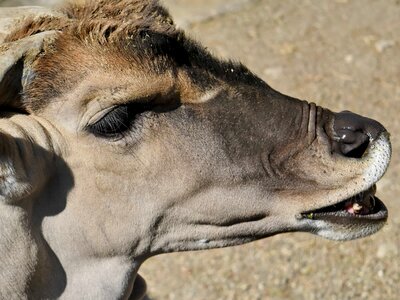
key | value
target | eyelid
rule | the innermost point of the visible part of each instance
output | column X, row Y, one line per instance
column 145, row 102
column 98, row 116
column 113, row 124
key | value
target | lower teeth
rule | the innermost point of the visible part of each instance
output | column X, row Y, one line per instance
column 357, row 208
column 361, row 208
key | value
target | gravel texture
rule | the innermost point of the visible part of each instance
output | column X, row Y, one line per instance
column 342, row 55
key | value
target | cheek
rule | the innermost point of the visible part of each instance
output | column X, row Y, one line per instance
column 323, row 169
column 168, row 161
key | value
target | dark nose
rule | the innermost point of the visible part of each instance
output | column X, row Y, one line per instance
column 354, row 133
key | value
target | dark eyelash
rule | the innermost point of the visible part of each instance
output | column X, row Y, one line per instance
column 121, row 119
column 114, row 123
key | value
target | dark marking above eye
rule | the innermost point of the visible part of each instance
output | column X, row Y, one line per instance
column 162, row 44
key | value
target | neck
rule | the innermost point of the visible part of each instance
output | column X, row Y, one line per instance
column 95, row 278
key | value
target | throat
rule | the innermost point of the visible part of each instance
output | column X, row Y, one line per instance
column 102, row 278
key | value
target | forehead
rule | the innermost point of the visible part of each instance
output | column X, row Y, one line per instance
column 121, row 39
column 135, row 68
column 145, row 52
column 143, row 61
column 148, row 61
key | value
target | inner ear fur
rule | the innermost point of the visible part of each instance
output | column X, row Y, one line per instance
column 13, row 18
column 18, row 54
column 17, row 60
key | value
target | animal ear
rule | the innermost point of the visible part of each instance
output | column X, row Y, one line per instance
column 18, row 57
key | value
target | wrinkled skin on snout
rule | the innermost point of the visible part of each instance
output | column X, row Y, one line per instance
column 117, row 145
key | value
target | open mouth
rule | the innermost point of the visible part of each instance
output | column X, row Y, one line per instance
column 363, row 206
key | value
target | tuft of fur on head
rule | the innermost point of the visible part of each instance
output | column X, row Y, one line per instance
column 101, row 21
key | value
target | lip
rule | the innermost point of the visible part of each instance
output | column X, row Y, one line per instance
column 373, row 209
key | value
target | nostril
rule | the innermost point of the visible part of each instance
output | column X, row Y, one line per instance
column 348, row 121
column 347, row 136
column 351, row 143
column 353, row 133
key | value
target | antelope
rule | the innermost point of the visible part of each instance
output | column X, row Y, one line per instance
column 121, row 138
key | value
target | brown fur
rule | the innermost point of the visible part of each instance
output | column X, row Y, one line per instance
column 127, row 35
column 102, row 20
column 138, row 142
column 122, row 26
column 132, row 33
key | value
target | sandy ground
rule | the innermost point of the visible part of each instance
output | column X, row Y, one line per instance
column 342, row 55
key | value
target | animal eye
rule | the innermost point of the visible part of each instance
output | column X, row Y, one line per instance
column 114, row 123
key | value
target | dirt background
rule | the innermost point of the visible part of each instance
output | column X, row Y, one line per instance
column 340, row 54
